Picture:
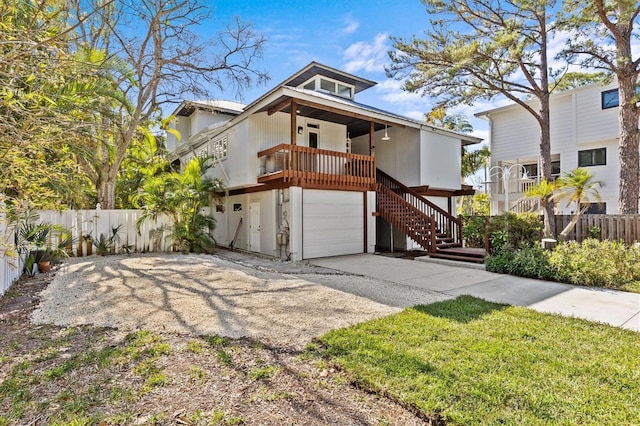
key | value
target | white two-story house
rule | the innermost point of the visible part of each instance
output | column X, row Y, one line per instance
column 310, row 172
column 584, row 133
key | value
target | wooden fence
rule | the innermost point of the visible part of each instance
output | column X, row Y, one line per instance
column 625, row 227
column 90, row 223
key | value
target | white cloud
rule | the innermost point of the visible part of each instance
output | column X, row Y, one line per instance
column 392, row 92
column 367, row 56
column 350, row 25
column 416, row 114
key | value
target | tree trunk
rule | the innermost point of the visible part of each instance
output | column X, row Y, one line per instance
column 545, row 162
column 107, row 192
column 628, row 148
column 572, row 222
column 545, row 124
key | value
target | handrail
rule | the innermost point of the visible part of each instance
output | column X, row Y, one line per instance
column 526, row 205
column 320, row 167
column 444, row 219
column 394, row 208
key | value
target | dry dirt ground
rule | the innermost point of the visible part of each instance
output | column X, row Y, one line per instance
column 189, row 340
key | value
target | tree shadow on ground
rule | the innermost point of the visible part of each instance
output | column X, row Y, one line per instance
column 462, row 309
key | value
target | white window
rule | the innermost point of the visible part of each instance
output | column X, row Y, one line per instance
column 329, row 86
column 344, row 91
column 219, row 148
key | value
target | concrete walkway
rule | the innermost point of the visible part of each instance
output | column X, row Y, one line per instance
column 612, row 307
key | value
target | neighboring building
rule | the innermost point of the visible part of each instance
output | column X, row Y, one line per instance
column 300, row 169
column 584, row 133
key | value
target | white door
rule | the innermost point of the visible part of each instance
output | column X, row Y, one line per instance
column 254, row 226
column 333, row 223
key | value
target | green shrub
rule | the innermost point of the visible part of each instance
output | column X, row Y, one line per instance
column 522, row 230
column 508, row 229
column 473, row 230
column 590, row 263
column 596, row 263
column 594, row 232
column 530, row 262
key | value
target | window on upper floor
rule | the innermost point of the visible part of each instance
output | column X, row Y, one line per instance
column 326, row 85
column 219, row 148
column 592, row 157
column 610, row 99
column 532, row 169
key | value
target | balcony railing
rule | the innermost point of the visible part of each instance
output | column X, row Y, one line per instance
column 317, row 168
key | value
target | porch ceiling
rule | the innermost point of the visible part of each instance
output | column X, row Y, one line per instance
column 357, row 124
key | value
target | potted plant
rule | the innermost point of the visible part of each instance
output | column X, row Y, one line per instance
column 43, row 259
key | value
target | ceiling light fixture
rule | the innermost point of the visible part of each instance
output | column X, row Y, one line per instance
column 386, row 136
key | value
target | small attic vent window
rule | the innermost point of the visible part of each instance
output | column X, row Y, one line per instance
column 328, row 86
column 344, row 90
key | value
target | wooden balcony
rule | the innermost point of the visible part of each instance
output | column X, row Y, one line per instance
column 316, row 168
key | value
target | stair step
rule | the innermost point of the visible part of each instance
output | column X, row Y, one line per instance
column 447, row 245
column 444, row 239
column 471, row 259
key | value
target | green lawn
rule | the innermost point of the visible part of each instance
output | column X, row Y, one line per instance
column 474, row 362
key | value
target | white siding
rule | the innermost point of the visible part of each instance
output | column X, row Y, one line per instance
column 400, row 156
column 227, row 222
column 333, row 223
column 440, row 159
column 595, row 123
column 203, row 119
column 514, row 134
column 578, row 122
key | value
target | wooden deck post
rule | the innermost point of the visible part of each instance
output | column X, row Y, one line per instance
column 293, row 128
column 372, row 147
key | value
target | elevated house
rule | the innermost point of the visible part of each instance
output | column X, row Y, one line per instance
column 584, row 133
column 309, row 172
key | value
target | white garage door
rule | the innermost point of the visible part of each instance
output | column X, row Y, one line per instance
column 333, row 223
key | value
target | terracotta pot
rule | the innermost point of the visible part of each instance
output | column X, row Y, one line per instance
column 44, row 266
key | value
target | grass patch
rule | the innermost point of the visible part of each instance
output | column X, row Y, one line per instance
column 263, row 373
column 475, row 362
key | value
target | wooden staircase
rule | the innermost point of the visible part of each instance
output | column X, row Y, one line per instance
column 437, row 231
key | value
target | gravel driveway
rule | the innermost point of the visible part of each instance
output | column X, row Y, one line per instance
column 280, row 302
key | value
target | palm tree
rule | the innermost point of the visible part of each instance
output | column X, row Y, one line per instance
column 472, row 161
column 543, row 192
column 183, row 197
column 579, row 187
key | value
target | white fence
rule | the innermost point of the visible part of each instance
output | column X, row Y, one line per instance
column 86, row 225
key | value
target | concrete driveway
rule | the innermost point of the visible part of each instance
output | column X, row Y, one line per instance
column 617, row 308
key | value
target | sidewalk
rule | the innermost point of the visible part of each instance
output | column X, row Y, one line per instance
column 612, row 307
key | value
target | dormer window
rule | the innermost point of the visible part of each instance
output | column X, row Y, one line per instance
column 322, row 84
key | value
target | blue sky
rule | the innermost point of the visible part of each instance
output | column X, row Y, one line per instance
column 351, row 35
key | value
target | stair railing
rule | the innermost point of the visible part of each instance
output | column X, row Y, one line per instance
column 408, row 219
column 444, row 221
